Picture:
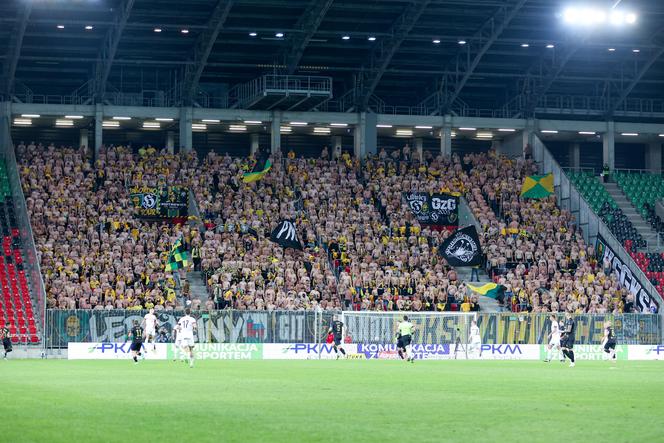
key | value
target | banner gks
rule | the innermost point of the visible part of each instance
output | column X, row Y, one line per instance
column 645, row 301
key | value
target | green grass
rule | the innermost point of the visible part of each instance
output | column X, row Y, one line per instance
column 353, row 400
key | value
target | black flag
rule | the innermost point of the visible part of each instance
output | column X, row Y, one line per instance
column 462, row 248
column 285, row 235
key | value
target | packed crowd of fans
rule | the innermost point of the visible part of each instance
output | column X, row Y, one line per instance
column 362, row 248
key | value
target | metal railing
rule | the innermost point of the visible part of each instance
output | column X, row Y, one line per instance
column 243, row 94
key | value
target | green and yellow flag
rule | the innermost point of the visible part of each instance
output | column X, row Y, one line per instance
column 537, row 186
column 492, row 290
column 261, row 168
column 178, row 258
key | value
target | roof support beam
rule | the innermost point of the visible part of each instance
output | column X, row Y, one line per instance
column 308, row 23
column 109, row 48
column 483, row 39
column 466, row 61
column 203, row 48
column 382, row 54
column 15, row 44
column 635, row 81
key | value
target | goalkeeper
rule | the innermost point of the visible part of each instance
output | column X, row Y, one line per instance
column 405, row 331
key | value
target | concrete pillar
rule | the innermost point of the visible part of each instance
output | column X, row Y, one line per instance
column 99, row 137
column 336, row 142
column 446, row 137
column 84, row 139
column 366, row 138
column 5, row 115
column 254, row 143
column 609, row 146
column 575, row 155
column 170, row 141
column 186, row 138
column 497, row 146
column 527, row 135
column 275, row 132
column 654, row 157
column 419, row 149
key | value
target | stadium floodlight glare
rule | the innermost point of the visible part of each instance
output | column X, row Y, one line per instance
column 22, row 122
column 372, row 38
column 89, row 28
column 525, row 45
column 163, row 119
column 423, row 127
column 61, row 26
column 110, row 124
column 629, row 134
column 548, row 131
column 151, row 125
column 550, row 46
column 210, row 120
column 383, row 126
column 462, row 42
column 484, row 135
column 321, row 130
column 185, row 31
column 467, row 129
column 299, row 123
column 253, row 122
column 64, row 123
column 237, row 128
column 279, row 34
column 661, row 135
column 157, row 30
column 253, row 34
column 636, row 51
column 345, row 37
column 404, row 132
column 198, row 127
column 339, row 125
column 612, row 49
column 452, row 134
column 73, row 117
column 507, row 130
column 436, row 41
column 121, row 118
column 595, row 16
column 587, row 132
column 285, row 129
column 30, row 115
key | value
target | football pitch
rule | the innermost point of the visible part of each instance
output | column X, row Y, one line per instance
column 345, row 400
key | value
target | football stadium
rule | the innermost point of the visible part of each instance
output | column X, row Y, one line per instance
column 331, row 220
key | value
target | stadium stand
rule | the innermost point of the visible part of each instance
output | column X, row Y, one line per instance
column 17, row 313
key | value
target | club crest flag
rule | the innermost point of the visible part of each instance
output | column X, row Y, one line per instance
column 462, row 248
column 537, row 186
column 285, row 235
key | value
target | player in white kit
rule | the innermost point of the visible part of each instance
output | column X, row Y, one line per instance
column 150, row 325
column 554, row 339
column 187, row 326
column 475, row 342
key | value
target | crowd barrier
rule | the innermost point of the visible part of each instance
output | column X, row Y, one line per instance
column 229, row 326
column 385, row 351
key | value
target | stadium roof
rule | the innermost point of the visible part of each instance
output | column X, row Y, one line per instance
column 415, row 58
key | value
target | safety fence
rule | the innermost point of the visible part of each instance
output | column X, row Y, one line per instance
column 228, row 326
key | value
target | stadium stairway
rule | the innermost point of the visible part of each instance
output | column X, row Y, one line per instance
column 632, row 214
column 197, row 286
column 487, row 304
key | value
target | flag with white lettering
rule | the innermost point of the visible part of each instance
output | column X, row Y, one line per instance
column 433, row 209
column 285, row 234
column 462, row 248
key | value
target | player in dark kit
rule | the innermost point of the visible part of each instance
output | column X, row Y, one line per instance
column 337, row 331
column 136, row 335
column 609, row 341
column 567, row 342
column 6, row 336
